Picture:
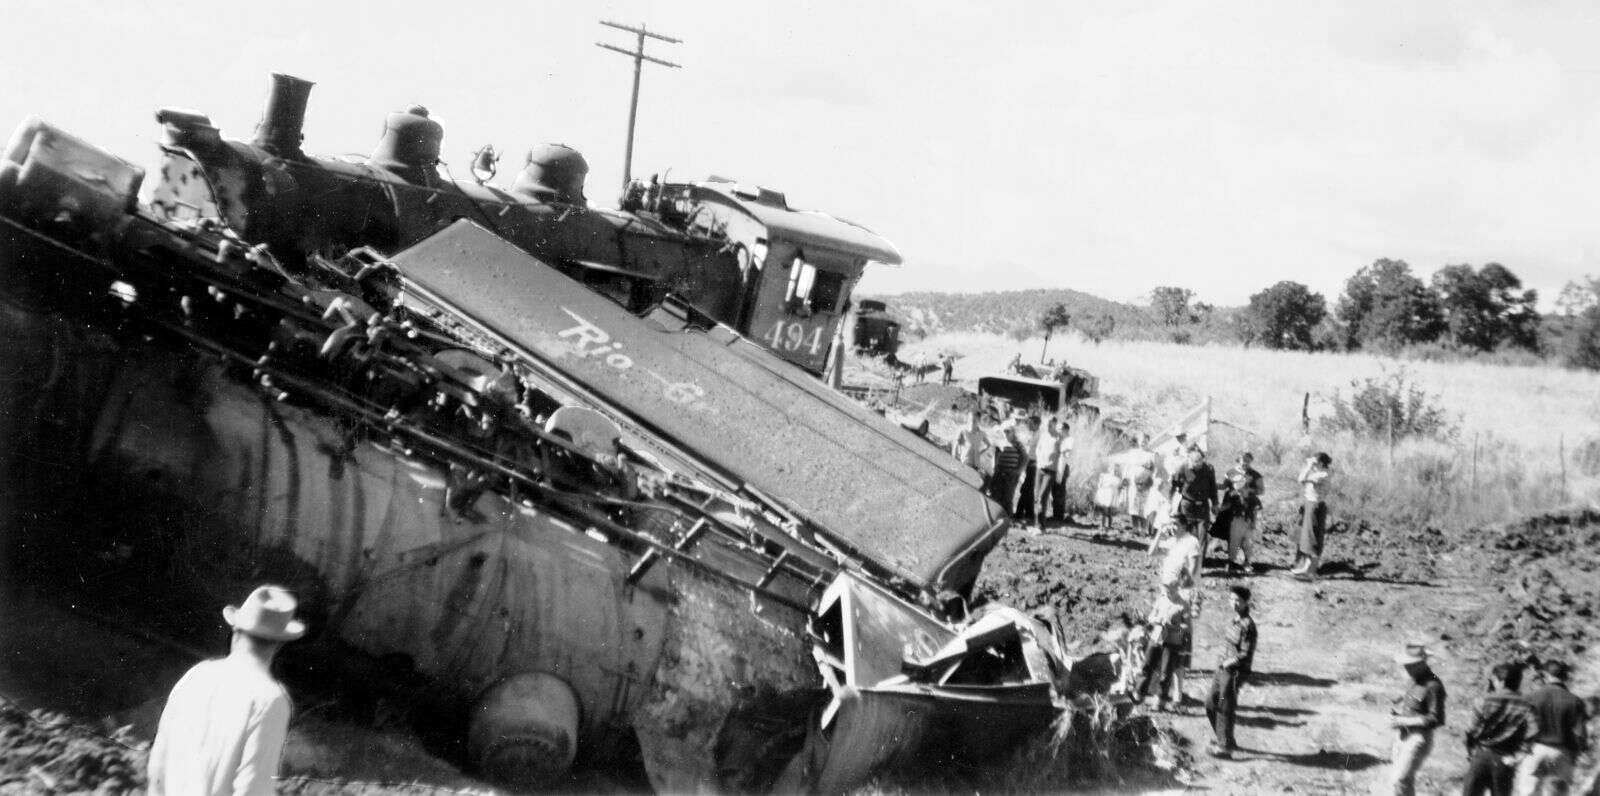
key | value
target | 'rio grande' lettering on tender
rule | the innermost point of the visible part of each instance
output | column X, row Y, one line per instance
column 592, row 341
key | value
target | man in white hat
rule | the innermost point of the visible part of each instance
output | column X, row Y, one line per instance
column 224, row 725
column 1416, row 716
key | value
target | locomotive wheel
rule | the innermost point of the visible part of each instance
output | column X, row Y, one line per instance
column 524, row 731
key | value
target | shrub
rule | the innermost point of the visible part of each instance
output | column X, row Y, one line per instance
column 1390, row 405
column 1273, row 448
column 1582, row 342
column 1586, row 456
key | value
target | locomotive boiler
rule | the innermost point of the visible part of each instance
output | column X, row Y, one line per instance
column 740, row 255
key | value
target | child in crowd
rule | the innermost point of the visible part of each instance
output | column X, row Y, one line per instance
column 1106, row 492
column 1169, row 638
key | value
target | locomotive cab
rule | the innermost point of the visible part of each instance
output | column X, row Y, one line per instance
column 799, row 266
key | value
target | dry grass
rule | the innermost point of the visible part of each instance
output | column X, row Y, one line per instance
column 1524, row 422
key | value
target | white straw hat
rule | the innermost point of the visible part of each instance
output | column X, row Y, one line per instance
column 268, row 613
column 1414, row 653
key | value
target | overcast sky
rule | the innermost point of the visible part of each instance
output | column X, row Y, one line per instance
column 1108, row 147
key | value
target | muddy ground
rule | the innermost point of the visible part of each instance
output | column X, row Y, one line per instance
column 1313, row 720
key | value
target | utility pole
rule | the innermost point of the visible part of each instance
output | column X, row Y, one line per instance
column 638, row 56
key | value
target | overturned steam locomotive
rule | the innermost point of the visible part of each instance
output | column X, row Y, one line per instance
column 505, row 445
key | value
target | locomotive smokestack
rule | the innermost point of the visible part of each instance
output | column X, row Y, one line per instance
column 279, row 131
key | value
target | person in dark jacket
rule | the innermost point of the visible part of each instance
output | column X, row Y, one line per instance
column 1241, row 502
column 1562, row 734
column 1416, row 716
column 1501, row 725
column 1194, row 493
column 1238, row 656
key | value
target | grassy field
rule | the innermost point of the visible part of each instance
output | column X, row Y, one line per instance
column 1517, row 427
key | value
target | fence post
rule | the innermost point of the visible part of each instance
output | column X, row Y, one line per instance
column 1561, row 456
column 1305, row 415
column 1474, row 462
column 1389, row 413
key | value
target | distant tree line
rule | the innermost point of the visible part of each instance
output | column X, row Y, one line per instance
column 1387, row 309
column 1461, row 310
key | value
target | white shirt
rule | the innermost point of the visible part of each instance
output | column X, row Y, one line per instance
column 1183, row 556
column 222, row 732
column 1047, row 449
column 970, row 446
column 1315, row 480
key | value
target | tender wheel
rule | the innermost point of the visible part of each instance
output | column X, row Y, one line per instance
column 524, row 731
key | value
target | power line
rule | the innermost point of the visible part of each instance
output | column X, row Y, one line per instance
column 638, row 56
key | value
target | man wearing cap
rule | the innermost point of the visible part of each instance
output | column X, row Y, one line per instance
column 1562, row 734
column 1416, row 715
column 223, row 729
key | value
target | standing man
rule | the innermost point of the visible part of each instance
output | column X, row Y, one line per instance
column 1008, row 461
column 1313, row 516
column 1416, row 715
column 1058, row 490
column 972, row 444
column 1246, row 484
column 1194, row 493
column 1501, row 725
column 1047, row 460
column 1028, row 443
column 1562, row 734
column 1238, row 656
column 223, row 729
column 949, row 367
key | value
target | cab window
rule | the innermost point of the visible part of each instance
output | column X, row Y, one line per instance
column 813, row 290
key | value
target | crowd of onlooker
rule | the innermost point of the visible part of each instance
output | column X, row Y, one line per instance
column 1172, row 495
column 1024, row 459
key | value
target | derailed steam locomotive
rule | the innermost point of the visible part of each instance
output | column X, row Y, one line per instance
column 508, row 445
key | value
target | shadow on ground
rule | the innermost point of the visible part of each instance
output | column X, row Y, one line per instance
column 1331, row 760
column 1291, row 678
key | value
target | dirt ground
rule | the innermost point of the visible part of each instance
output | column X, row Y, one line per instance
column 1313, row 719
